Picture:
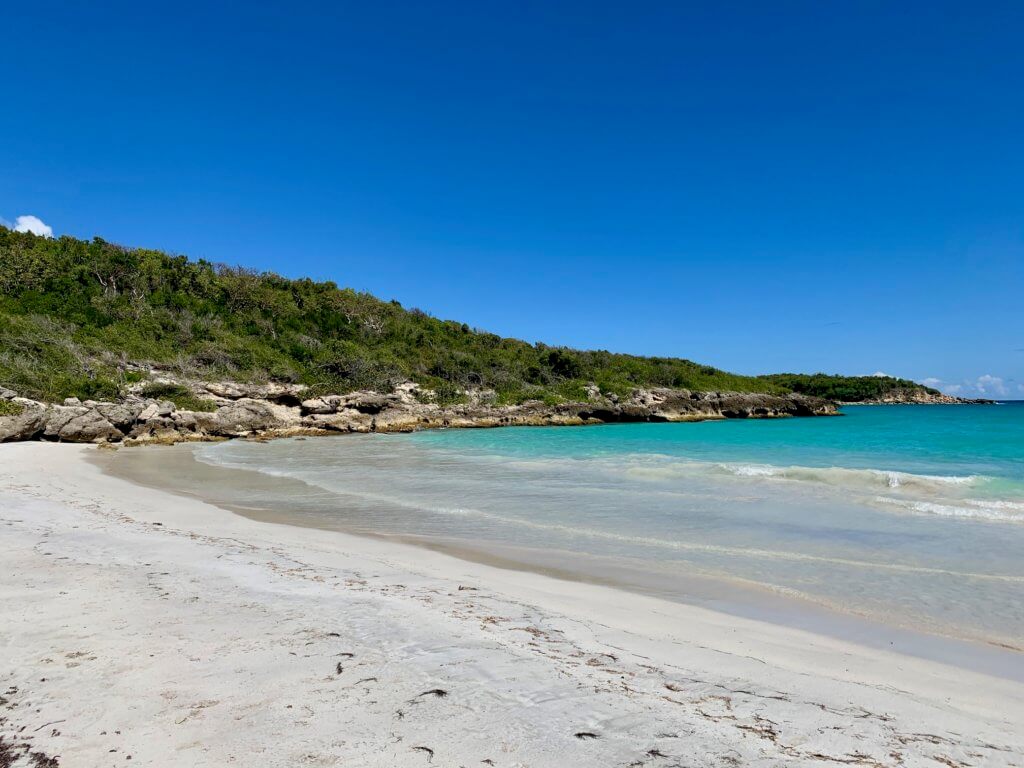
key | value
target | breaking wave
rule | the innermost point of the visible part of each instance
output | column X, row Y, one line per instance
column 998, row 511
column 836, row 476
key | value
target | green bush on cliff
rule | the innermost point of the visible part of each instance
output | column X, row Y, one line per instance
column 74, row 313
column 181, row 396
column 7, row 408
column 850, row 389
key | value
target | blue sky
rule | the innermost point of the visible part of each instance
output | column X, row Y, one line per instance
column 763, row 187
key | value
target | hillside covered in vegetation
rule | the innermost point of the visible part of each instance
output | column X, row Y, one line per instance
column 78, row 318
column 847, row 389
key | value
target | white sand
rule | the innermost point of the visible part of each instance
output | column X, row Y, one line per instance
column 212, row 639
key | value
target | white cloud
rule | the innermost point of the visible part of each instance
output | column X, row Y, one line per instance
column 34, row 225
column 991, row 385
column 881, row 375
column 986, row 385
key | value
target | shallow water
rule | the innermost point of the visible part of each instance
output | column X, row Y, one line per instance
column 908, row 515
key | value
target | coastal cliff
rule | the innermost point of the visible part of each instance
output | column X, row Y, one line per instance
column 223, row 410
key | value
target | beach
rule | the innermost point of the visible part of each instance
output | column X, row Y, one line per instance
column 142, row 625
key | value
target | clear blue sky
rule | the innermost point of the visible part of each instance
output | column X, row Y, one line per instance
column 763, row 186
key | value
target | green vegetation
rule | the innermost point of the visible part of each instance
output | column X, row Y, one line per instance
column 181, row 396
column 7, row 408
column 75, row 315
column 850, row 389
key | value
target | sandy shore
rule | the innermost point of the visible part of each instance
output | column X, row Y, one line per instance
column 140, row 625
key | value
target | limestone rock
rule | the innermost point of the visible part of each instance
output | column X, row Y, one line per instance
column 278, row 411
column 287, row 394
column 163, row 428
column 368, row 402
column 59, row 416
column 345, row 421
column 322, row 405
column 153, row 410
column 246, row 416
column 121, row 415
column 78, row 424
column 23, row 426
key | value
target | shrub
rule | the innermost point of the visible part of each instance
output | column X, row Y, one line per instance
column 182, row 397
column 442, row 393
column 8, row 408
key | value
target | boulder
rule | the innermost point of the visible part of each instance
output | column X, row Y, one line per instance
column 158, row 426
column 343, row 421
column 153, row 409
column 23, row 426
column 186, row 421
column 321, row 405
column 121, row 415
column 59, row 416
column 246, row 416
column 74, row 424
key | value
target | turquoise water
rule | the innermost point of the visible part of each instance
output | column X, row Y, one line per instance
column 908, row 515
column 981, row 445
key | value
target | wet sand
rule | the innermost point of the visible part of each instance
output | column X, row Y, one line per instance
column 290, row 501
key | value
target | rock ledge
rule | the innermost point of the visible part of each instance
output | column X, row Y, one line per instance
column 277, row 410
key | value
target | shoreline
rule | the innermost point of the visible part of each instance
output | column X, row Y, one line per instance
column 231, row 410
column 153, row 624
column 175, row 469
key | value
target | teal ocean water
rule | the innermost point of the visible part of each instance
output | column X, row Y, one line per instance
column 908, row 515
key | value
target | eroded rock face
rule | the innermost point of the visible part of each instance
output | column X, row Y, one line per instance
column 321, row 405
column 283, row 394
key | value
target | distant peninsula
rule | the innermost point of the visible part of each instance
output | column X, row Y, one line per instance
column 99, row 342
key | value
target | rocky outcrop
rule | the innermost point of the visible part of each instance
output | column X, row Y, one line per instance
column 282, row 394
column 683, row 405
column 224, row 392
column 921, row 396
column 373, row 412
column 278, row 410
